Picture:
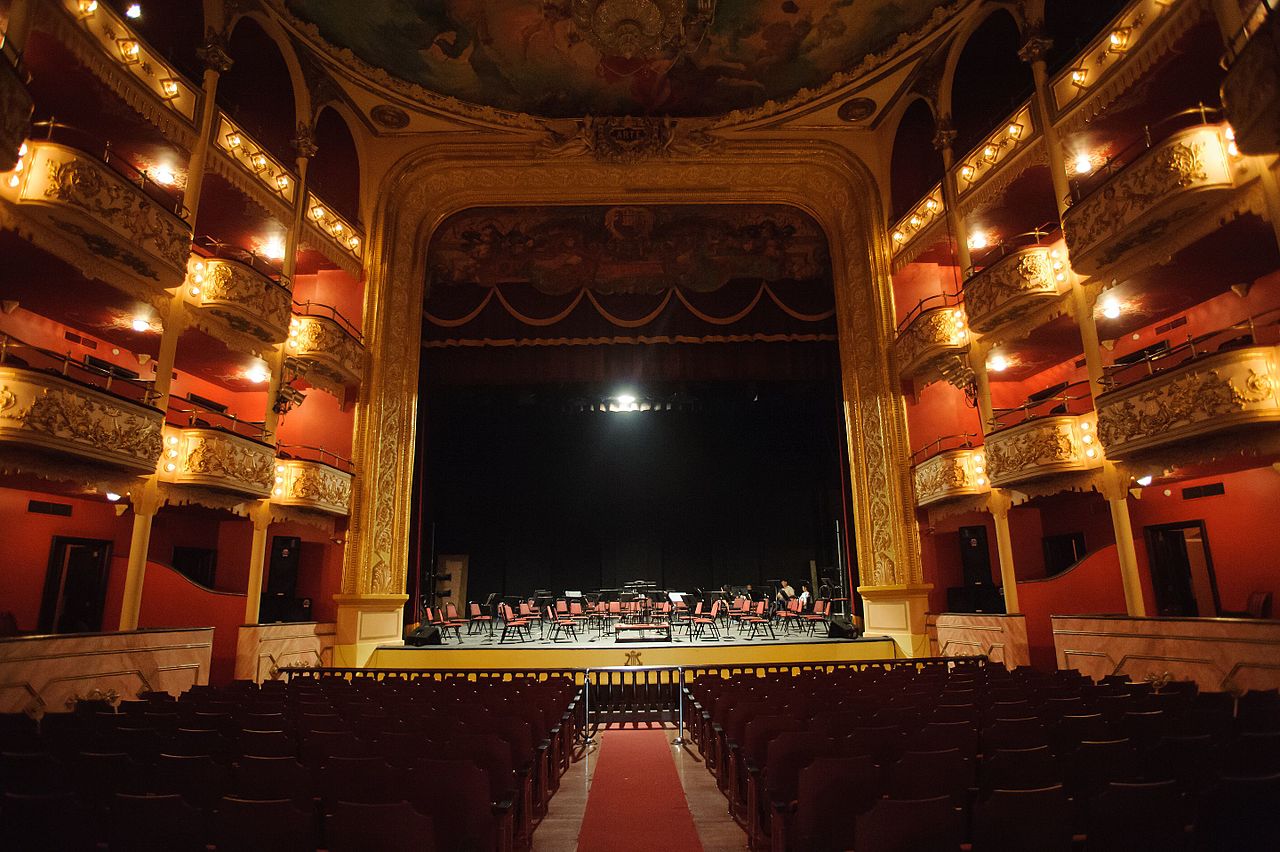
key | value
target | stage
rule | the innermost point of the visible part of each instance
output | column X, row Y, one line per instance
column 480, row 651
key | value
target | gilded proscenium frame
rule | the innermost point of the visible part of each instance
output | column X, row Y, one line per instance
column 823, row 180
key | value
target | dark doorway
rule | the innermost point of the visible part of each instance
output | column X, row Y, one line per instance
column 75, row 586
column 1062, row 551
column 278, row 597
column 197, row 564
column 1182, row 569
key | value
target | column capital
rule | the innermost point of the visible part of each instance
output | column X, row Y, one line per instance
column 146, row 497
column 260, row 515
column 1036, row 47
column 999, row 503
column 214, row 53
column 304, row 141
column 945, row 136
column 1113, row 481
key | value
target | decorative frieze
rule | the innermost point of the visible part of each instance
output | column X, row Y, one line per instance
column 75, row 205
column 212, row 458
column 1042, row 447
column 241, row 300
column 1166, row 186
column 1013, row 286
column 334, row 236
column 1209, row 395
column 311, row 485
column 931, row 338
column 253, row 168
column 47, row 412
column 330, row 356
column 950, row 474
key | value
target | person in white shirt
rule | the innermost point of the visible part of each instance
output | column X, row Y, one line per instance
column 805, row 597
column 785, row 592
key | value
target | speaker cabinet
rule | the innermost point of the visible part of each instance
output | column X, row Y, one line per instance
column 975, row 557
column 424, row 635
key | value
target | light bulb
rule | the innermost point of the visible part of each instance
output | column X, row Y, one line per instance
column 141, row 324
column 134, row 11
column 113, row 496
column 274, row 249
column 1144, row 481
column 1111, row 308
column 997, row 363
column 257, row 374
column 1084, row 165
column 978, row 239
column 163, row 175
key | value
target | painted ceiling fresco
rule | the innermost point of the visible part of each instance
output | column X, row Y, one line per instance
column 569, row 58
column 627, row 249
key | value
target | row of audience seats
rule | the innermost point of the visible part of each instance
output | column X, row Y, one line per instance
column 932, row 756
column 315, row 763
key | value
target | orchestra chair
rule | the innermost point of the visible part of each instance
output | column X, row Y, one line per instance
column 701, row 624
column 817, row 617
column 478, row 620
column 518, row 628
column 436, row 619
column 759, row 622
column 560, row 625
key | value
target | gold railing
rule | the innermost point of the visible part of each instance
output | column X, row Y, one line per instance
column 241, row 295
column 307, row 484
column 1044, row 446
column 929, row 336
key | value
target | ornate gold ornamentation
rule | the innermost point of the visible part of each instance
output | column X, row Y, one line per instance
column 236, row 461
column 1008, row 288
column 1107, row 213
column 84, row 418
column 312, row 485
column 939, row 474
column 626, row 139
column 820, row 178
column 933, row 334
column 7, row 398
column 1046, row 444
column 88, row 186
column 322, row 349
column 1168, row 406
column 245, row 300
column 630, row 29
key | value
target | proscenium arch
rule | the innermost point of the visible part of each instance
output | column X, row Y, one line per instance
column 823, row 180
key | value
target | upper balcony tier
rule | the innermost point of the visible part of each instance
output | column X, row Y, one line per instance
column 1052, row 433
column 208, row 449
column 1250, row 91
column 1016, row 284
column 74, row 198
column 311, row 478
column 1210, row 386
column 326, row 348
column 238, row 297
column 15, row 107
column 932, row 341
column 948, row 469
column 52, row 404
column 1150, row 192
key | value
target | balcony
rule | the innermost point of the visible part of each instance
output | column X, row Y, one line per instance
column 251, row 168
column 238, row 295
column 208, row 449
column 74, row 198
column 1215, row 385
column 325, row 348
column 333, row 236
column 50, row 404
column 1053, row 433
column 310, row 478
column 932, row 340
column 1015, row 285
column 1146, row 194
column 15, row 107
column 1250, row 91
column 947, row 473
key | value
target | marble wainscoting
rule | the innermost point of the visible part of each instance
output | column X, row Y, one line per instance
column 263, row 649
column 46, row 674
column 1003, row 638
column 1227, row 654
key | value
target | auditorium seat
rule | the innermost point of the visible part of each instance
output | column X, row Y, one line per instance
column 929, row 774
column 1019, row 769
column 909, row 825
column 273, row 778
column 262, row 825
column 1028, row 820
column 153, row 823
column 45, row 822
column 1237, row 813
column 1137, row 817
column 354, row 827
column 455, row 795
column 832, row 792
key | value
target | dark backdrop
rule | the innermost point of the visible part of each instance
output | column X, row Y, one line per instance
column 740, row 483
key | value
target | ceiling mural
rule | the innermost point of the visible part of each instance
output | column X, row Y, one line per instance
column 569, row 58
column 627, row 249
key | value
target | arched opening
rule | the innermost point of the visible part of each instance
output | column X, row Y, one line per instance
column 173, row 27
column 334, row 172
column 1072, row 23
column 916, row 164
column 257, row 91
column 990, row 80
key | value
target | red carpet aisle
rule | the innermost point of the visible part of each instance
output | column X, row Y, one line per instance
column 636, row 803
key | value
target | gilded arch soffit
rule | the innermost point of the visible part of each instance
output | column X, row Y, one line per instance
column 823, row 180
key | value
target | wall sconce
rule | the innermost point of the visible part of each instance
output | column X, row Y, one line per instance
column 931, row 205
column 1118, row 41
column 354, row 243
column 914, row 221
column 317, row 212
column 1078, row 76
column 967, row 172
column 130, row 50
column 259, row 161
column 234, row 140
column 989, row 153
column 88, row 7
column 898, row 236
column 169, row 88
column 1014, row 131
column 282, row 183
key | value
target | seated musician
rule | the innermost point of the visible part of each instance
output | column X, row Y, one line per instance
column 785, row 592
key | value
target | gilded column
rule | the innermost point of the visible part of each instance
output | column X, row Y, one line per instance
column 999, row 504
column 1033, row 51
column 216, row 63
column 146, row 502
column 260, row 515
column 943, row 141
column 1115, row 487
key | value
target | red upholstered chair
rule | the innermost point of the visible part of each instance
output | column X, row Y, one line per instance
column 273, row 778
column 832, row 793
column 1035, row 820
column 514, row 626
column 455, row 794
column 561, row 625
column 154, row 824
column 929, row 774
column 477, row 620
column 909, row 825
column 252, row 825
column 354, row 827
column 707, row 624
column 1020, row 769
column 1146, row 817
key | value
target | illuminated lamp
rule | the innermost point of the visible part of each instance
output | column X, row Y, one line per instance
column 141, row 324
column 113, row 496
column 989, row 152
column 978, row 239
column 259, row 160
column 134, row 12
column 257, row 374
column 1014, row 131
column 1232, row 148
column 1079, row 75
column 1119, row 39
column 898, row 236
column 234, row 140
column 88, row 7
column 130, row 50
column 169, row 88
column 914, row 221
column 1111, row 308
column 282, row 182
column 317, row 212
column 968, row 172
column 1083, row 164
column 931, row 205
column 1144, row 481
column 997, row 363
column 274, row 249
column 164, row 175
column 354, row 243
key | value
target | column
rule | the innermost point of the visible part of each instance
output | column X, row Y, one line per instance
column 1033, row 51
column 999, row 504
column 304, row 144
column 146, row 502
column 19, row 26
column 1115, row 487
column 942, row 141
column 260, row 515
column 216, row 62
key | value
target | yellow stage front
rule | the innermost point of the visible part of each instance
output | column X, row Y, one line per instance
column 637, row 654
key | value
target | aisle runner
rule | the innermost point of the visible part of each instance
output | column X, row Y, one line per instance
column 636, row 803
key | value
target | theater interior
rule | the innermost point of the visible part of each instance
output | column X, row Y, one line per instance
column 634, row 424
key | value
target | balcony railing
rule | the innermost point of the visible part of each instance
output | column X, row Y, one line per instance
column 326, row 347
column 307, row 484
column 950, row 474
column 1139, row 196
column 186, row 413
column 209, row 457
column 1024, row 273
column 959, row 441
column 76, row 198
column 50, row 403
column 1064, row 399
column 1212, row 384
column 305, row 452
column 1051, row 445
column 247, row 295
column 931, row 339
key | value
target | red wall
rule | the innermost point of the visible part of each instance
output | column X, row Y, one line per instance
column 917, row 281
column 1091, row 587
column 335, row 288
column 319, row 422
